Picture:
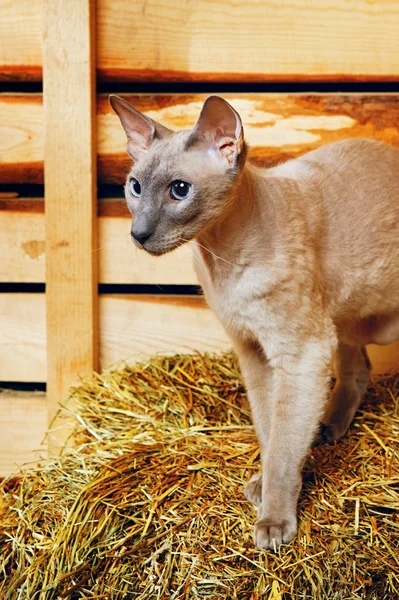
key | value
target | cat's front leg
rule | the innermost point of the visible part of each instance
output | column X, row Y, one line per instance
column 300, row 388
column 257, row 375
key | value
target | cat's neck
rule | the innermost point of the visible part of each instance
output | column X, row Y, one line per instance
column 226, row 241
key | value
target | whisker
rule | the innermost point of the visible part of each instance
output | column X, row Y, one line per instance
column 213, row 254
column 199, row 263
column 107, row 245
column 194, row 257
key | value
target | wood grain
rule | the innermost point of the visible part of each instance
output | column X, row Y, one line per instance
column 249, row 40
column 130, row 327
column 204, row 40
column 21, row 139
column 70, row 184
column 22, row 247
column 23, row 337
column 277, row 126
column 22, row 241
column 21, row 40
column 23, row 424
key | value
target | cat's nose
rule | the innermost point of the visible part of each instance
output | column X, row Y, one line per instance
column 141, row 235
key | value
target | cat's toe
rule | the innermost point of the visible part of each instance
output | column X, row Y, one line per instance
column 270, row 533
column 253, row 490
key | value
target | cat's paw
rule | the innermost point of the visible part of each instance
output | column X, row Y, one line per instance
column 269, row 532
column 332, row 433
column 328, row 434
column 253, row 490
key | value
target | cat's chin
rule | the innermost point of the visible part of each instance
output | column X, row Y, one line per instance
column 156, row 252
column 160, row 251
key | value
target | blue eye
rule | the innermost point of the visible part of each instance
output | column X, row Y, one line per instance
column 135, row 187
column 180, row 190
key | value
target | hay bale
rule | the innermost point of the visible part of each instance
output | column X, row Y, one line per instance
column 150, row 503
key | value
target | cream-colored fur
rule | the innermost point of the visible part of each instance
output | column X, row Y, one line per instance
column 311, row 257
column 301, row 265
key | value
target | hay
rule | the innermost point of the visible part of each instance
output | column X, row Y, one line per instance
column 150, row 503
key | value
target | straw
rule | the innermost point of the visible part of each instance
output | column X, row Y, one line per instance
column 149, row 503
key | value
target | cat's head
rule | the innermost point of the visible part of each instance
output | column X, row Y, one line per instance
column 181, row 182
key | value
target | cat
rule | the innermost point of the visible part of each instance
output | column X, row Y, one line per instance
column 300, row 262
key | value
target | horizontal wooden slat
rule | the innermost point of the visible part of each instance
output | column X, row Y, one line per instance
column 23, row 424
column 22, row 241
column 130, row 327
column 22, row 248
column 23, row 337
column 21, row 40
column 247, row 41
column 277, row 126
column 22, row 138
column 134, row 326
column 220, row 41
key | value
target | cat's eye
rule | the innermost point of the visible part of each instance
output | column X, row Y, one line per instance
column 179, row 189
column 135, row 187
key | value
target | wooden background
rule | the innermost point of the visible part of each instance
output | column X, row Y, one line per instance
column 223, row 40
column 69, row 139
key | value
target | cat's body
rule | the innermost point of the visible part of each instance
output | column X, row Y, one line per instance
column 299, row 262
column 312, row 217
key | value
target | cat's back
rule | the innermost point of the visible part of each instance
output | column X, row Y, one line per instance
column 355, row 179
column 344, row 161
column 349, row 194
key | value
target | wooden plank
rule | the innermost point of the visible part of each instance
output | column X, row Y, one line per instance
column 277, row 126
column 22, row 246
column 21, row 139
column 133, row 327
column 248, row 41
column 23, row 424
column 203, row 40
column 130, row 327
column 23, row 337
column 70, row 184
column 20, row 40
column 22, row 241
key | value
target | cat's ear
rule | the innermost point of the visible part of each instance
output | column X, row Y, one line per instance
column 219, row 128
column 140, row 129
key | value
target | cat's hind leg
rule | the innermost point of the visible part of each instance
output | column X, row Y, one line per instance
column 352, row 373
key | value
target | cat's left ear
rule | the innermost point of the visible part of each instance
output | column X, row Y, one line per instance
column 219, row 128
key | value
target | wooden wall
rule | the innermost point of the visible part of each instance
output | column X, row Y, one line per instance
column 170, row 40
column 69, row 139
